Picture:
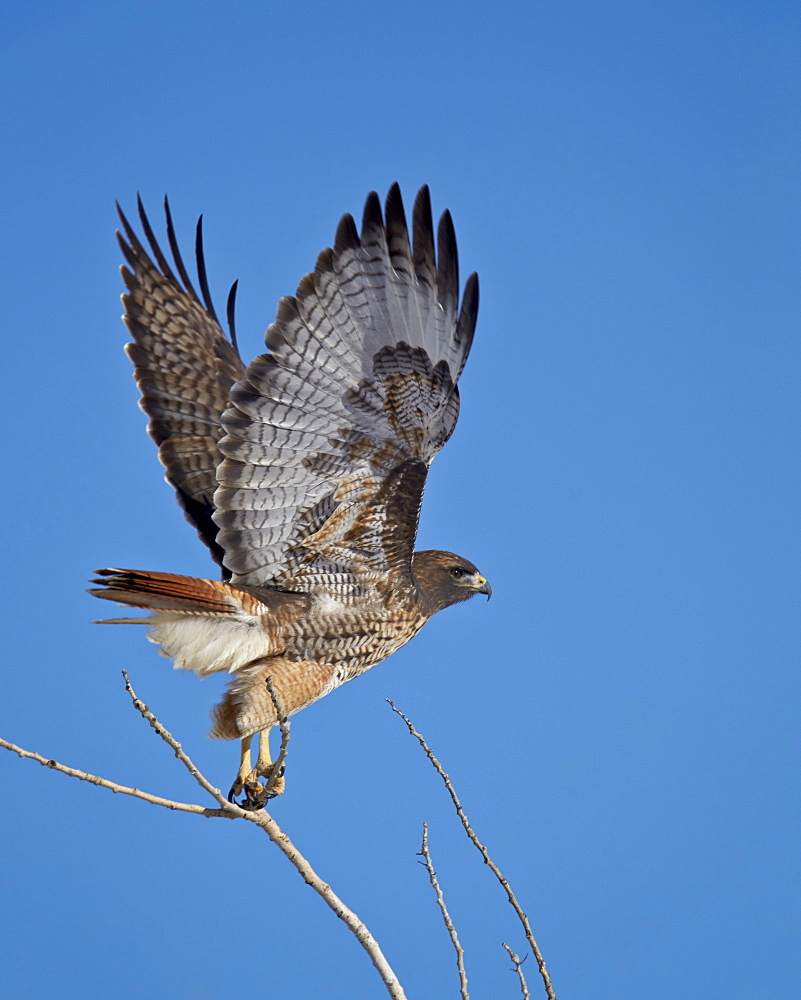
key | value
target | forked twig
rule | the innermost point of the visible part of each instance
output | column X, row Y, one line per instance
column 283, row 723
column 263, row 819
column 432, row 875
column 169, row 739
column 230, row 810
column 518, row 963
column 483, row 851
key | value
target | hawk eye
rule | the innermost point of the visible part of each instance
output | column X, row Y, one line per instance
column 457, row 573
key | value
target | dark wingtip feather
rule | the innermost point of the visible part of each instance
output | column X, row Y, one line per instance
column 286, row 311
column 325, row 261
column 161, row 260
column 423, row 238
column 393, row 209
column 400, row 251
column 123, row 219
column 130, row 256
column 470, row 298
column 447, row 263
column 305, row 287
column 200, row 260
column 176, row 252
column 372, row 220
column 468, row 314
column 347, row 236
column 129, row 242
column 394, row 194
column 230, row 310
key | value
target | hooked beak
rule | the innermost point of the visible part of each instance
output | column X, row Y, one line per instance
column 483, row 587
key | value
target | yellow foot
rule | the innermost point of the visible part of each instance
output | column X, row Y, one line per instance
column 256, row 793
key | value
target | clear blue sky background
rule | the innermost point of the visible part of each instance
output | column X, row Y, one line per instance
column 622, row 718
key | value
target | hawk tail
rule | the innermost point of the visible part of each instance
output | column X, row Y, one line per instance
column 168, row 592
column 204, row 626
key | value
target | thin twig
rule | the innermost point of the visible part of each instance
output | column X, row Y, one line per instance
column 483, row 851
column 283, row 723
column 519, row 970
column 113, row 786
column 168, row 738
column 429, row 866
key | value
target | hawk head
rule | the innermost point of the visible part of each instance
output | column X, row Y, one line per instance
column 444, row 578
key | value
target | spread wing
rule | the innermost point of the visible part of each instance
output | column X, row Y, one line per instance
column 184, row 367
column 329, row 436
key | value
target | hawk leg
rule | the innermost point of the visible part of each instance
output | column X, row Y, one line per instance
column 247, row 779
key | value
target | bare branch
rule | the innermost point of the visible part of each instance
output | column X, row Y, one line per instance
column 483, row 851
column 519, row 970
column 228, row 809
column 429, row 866
column 93, row 779
column 263, row 819
column 283, row 723
column 311, row 878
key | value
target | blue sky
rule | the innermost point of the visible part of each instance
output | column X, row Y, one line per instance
column 621, row 718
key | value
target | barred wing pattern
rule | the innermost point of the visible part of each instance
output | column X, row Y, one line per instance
column 184, row 367
column 330, row 436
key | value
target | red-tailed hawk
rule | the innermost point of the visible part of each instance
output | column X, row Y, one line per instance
column 303, row 473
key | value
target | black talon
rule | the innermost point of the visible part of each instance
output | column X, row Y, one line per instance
column 255, row 797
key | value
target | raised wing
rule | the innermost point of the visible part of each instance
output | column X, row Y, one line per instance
column 184, row 367
column 330, row 436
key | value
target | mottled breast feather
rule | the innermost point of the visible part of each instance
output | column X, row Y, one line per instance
column 329, row 437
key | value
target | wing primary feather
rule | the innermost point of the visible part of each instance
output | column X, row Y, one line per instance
column 129, row 233
column 466, row 324
column 230, row 309
column 371, row 217
column 423, row 239
column 161, row 260
column 133, row 249
column 176, row 252
column 447, row 264
column 200, row 260
column 132, row 246
column 347, row 236
column 400, row 252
